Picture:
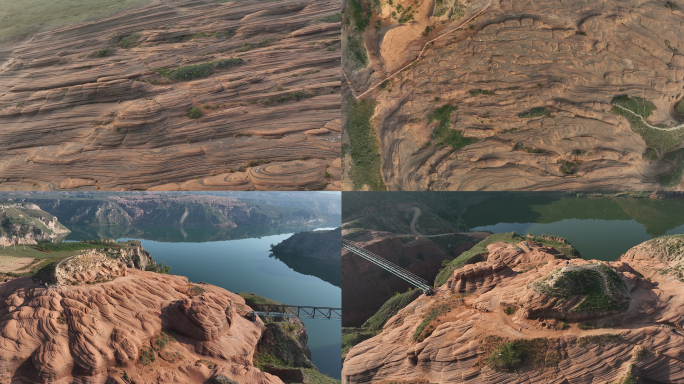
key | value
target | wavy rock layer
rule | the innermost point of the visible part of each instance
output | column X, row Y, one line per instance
column 644, row 341
column 518, row 56
column 94, row 333
column 77, row 115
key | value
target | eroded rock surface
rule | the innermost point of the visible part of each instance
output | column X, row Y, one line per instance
column 467, row 329
column 566, row 63
column 97, row 105
column 141, row 326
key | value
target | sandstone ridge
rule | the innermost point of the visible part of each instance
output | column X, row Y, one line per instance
column 525, row 314
column 133, row 325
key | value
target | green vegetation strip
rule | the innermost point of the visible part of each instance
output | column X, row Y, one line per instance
column 389, row 309
column 198, row 70
column 662, row 141
column 514, row 355
column 443, row 134
column 363, row 145
column 535, row 112
column 673, row 178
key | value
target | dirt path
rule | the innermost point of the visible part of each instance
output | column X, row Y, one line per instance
column 420, row 55
column 416, row 214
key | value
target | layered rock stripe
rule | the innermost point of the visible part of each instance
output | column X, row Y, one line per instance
column 642, row 340
column 97, row 105
column 524, row 55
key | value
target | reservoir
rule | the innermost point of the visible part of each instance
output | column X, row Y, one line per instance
column 237, row 259
column 601, row 228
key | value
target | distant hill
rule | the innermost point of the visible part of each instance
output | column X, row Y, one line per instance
column 185, row 209
column 316, row 253
column 24, row 223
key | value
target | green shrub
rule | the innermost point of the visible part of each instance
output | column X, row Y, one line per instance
column 129, row 41
column 650, row 155
column 477, row 92
column 425, row 328
column 195, row 113
column 535, row 112
column 297, row 95
column 259, row 44
column 360, row 13
column 509, row 310
column 671, row 4
column 390, row 308
column 674, row 177
column 443, row 134
column 197, row 71
column 336, row 18
column 567, row 167
column 232, row 62
column 103, row 52
column 356, row 51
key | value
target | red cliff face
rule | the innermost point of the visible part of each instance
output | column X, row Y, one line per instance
column 365, row 286
column 142, row 326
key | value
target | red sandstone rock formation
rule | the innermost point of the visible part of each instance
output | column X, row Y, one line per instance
column 109, row 332
column 86, row 106
column 644, row 341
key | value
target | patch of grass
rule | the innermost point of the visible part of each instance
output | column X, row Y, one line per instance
column 129, row 41
column 674, row 177
column 258, row 162
column 195, row 113
column 567, row 167
column 197, row 71
column 296, row 95
column 259, row 44
column 360, row 12
column 600, row 340
column 227, row 63
column 336, row 18
column 650, row 155
column 513, row 355
column 356, row 51
column 662, row 141
column 535, row 112
column 425, row 328
column 103, row 52
column 478, row 92
column 364, row 148
column 509, row 310
column 443, row 134
column 389, row 309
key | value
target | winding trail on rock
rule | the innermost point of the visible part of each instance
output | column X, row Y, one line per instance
column 646, row 122
column 420, row 55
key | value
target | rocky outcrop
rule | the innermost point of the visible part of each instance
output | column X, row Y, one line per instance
column 25, row 223
column 533, row 85
column 140, row 327
column 177, row 95
column 548, row 320
column 132, row 254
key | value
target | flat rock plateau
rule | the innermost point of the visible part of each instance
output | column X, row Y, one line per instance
column 526, row 96
column 526, row 314
column 176, row 95
column 100, row 321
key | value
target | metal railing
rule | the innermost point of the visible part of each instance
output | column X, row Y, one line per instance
column 277, row 310
column 396, row 270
